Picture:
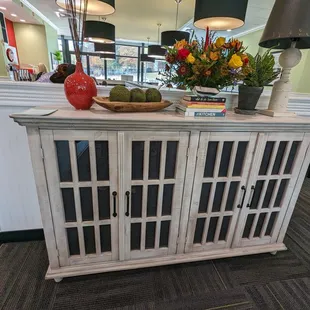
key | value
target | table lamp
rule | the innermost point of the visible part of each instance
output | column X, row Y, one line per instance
column 288, row 28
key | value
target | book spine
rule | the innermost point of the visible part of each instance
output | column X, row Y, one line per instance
column 206, row 106
column 201, row 110
column 204, row 99
column 209, row 114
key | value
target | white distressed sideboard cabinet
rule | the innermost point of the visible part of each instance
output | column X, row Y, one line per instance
column 125, row 191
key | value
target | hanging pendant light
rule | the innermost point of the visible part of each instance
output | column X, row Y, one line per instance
column 99, row 32
column 168, row 38
column 156, row 51
column 145, row 57
column 94, row 7
column 104, row 48
column 220, row 14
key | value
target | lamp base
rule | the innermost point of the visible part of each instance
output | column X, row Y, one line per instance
column 277, row 114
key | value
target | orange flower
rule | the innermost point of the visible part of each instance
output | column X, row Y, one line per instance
column 208, row 72
column 180, row 44
column 203, row 56
column 214, row 56
column 236, row 44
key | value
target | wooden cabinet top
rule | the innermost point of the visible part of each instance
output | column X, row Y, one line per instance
column 100, row 119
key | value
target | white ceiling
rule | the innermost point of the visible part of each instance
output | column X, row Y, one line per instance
column 137, row 19
column 13, row 8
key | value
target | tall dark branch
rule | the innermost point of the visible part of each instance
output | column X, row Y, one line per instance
column 78, row 13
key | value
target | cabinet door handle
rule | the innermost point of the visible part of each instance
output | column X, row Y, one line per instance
column 114, row 204
column 251, row 196
column 242, row 202
column 127, row 194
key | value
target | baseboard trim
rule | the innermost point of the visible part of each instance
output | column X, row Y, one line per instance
column 21, row 235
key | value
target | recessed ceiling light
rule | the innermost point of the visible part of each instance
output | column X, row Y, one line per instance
column 14, row 15
column 61, row 10
column 228, row 30
column 22, row 20
column 2, row 8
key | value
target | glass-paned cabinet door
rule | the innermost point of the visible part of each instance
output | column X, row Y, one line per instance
column 81, row 173
column 221, row 174
column 154, row 172
column 277, row 163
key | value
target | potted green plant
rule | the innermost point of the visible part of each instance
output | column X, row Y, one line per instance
column 58, row 56
column 262, row 73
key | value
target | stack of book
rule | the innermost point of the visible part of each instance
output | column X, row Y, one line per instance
column 202, row 106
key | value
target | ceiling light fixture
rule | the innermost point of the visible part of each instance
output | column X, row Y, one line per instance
column 94, row 7
column 228, row 30
column 220, row 14
column 2, row 8
column 99, row 32
column 14, row 15
column 168, row 38
column 103, row 48
column 156, row 51
column 145, row 57
column 22, row 20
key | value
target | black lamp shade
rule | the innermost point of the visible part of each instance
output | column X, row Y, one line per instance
column 94, row 7
column 108, row 56
column 168, row 38
column 104, row 48
column 146, row 58
column 99, row 32
column 220, row 14
column 156, row 51
column 289, row 21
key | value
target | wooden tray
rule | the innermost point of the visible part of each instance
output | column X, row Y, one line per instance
column 117, row 106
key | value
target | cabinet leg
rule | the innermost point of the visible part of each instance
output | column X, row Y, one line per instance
column 57, row 280
column 274, row 253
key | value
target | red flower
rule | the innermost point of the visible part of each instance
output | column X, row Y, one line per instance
column 170, row 58
column 182, row 54
column 246, row 60
column 182, row 70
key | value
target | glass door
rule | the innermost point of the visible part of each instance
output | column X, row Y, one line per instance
column 273, row 176
column 81, row 171
column 221, row 174
column 154, row 172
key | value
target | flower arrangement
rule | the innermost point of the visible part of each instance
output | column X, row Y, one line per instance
column 214, row 64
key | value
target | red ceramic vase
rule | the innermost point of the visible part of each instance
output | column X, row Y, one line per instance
column 80, row 89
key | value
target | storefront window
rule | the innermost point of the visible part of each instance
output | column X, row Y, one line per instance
column 96, row 65
column 122, row 66
column 84, row 61
column 152, row 70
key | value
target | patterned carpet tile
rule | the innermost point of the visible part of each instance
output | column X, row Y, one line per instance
column 232, row 299
column 263, row 298
column 260, row 269
column 30, row 290
column 292, row 294
column 12, row 259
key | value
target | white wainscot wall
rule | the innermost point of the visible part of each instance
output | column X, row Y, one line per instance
column 19, row 207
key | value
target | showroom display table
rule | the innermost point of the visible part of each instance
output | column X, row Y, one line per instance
column 125, row 191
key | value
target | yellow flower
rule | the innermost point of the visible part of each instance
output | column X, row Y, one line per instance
column 180, row 44
column 220, row 42
column 235, row 62
column 214, row 56
column 190, row 58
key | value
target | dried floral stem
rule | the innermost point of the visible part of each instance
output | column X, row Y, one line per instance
column 78, row 12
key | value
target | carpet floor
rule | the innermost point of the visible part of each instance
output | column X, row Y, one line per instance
column 252, row 282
